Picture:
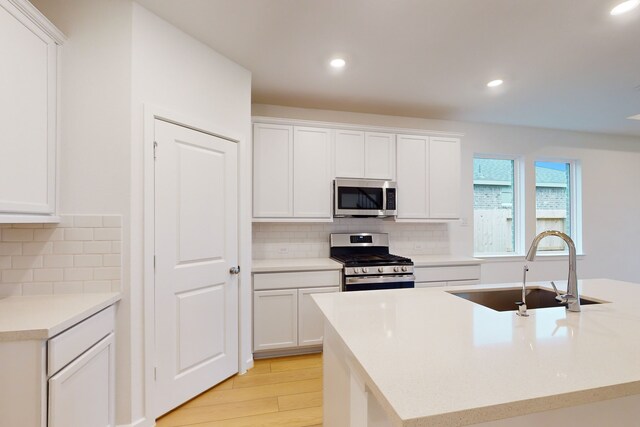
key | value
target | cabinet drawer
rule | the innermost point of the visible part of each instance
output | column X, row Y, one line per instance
column 446, row 274
column 302, row 279
column 71, row 343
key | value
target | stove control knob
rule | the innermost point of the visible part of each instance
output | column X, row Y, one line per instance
column 381, row 269
column 404, row 268
column 356, row 270
column 396, row 269
column 365, row 270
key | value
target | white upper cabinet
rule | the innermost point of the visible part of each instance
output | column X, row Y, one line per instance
column 291, row 173
column 428, row 172
column 349, row 153
column 444, row 177
column 379, row 155
column 413, row 177
column 272, row 171
column 312, row 173
column 361, row 154
column 29, row 46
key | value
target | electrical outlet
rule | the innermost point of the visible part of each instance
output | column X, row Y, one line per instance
column 464, row 222
column 283, row 250
column 418, row 246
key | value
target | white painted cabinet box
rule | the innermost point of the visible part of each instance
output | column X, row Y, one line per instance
column 428, row 170
column 291, row 173
column 360, row 154
column 284, row 317
column 29, row 46
column 66, row 381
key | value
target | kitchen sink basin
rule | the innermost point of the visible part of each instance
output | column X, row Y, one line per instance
column 505, row 299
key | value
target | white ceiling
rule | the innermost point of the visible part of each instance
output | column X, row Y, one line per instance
column 567, row 64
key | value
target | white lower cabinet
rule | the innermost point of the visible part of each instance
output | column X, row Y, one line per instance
column 456, row 275
column 287, row 318
column 275, row 319
column 66, row 381
column 310, row 319
column 81, row 394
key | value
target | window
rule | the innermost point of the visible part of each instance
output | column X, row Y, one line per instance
column 554, row 202
column 499, row 204
column 494, row 207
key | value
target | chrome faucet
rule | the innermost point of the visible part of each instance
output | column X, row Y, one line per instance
column 522, row 305
column 571, row 298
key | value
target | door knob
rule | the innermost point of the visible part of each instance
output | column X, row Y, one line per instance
column 234, row 270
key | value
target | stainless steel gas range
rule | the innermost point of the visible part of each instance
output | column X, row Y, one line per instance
column 367, row 263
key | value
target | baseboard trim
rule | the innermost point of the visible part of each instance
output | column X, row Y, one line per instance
column 142, row 422
column 287, row 352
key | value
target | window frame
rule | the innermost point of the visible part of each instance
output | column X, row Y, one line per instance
column 517, row 208
column 575, row 202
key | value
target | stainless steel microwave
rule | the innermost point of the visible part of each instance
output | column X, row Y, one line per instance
column 364, row 197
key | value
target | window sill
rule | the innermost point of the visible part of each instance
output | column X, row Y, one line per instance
column 521, row 258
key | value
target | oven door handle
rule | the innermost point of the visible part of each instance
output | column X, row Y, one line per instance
column 380, row 279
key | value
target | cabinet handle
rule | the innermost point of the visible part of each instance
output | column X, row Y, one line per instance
column 234, row 270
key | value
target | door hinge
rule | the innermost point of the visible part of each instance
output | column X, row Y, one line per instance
column 154, row 262
column 155, row 148
column 155, row 374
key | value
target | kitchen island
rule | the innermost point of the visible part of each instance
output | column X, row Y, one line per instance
column 425, row 357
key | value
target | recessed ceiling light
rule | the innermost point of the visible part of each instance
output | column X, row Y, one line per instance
column 625, row 7
column 636, row 117
column 495, row 83
column 338, row 63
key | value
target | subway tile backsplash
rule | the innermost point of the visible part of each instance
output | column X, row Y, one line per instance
column 80, row 254
column 311, row 240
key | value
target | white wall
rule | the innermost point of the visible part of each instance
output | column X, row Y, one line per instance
column 118, row 57
column 173, row 71
column 94, row 148
column 611, row 177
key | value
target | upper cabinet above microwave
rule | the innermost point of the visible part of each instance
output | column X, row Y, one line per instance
column 361, row 154
column 29, row 45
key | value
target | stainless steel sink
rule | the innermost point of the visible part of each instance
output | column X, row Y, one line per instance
column 505, row 299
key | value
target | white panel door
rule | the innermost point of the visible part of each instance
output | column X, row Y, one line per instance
column 413, row 176
column 379, row 155
column 83, row 393
column 349, row 153
column 272, row 171
column 312, row 173
column 275, row 319
column 196, row 232
column 27, row 115
column 444, row 177
column 310, row 319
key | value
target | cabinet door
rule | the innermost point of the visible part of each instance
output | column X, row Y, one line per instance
column 275, row 319
column 444, row 177
column 379, row 155
column 310, row 319
column 27, row 115
column 272, row 171
column 312, row 173
column 349, row 154
column 413, row 176
column 83, row 393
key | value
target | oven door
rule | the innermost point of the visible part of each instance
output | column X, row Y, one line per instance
column 370, row 283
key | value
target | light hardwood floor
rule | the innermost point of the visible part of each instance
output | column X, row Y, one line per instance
column 282, row 392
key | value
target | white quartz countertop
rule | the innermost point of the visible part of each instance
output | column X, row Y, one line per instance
column 442, row 360
column 442, row 260
column 294, row 264
column 43, row 316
